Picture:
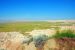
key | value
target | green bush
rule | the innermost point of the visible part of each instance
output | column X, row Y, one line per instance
column 65, row 33
column 40, row 40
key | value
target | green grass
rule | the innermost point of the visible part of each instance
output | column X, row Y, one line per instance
column 65, row 33
column 23, row 26
column 28, row 26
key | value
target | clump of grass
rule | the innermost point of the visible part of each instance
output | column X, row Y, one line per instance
column 65, row 33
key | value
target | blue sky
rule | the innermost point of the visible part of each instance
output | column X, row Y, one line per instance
column 12, row 10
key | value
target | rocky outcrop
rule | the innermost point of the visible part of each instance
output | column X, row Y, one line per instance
column 11, row 40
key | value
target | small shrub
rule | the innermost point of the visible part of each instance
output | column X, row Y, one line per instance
column 40, row 40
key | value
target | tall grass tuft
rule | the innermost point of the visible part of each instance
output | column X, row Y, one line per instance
column 65, row 33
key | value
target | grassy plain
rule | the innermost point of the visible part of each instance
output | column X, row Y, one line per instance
column 28, row 26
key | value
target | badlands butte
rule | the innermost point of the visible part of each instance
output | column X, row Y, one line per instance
column 34, row 35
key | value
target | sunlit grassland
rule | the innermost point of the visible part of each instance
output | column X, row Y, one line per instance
column 23, row 26
column 28, row 26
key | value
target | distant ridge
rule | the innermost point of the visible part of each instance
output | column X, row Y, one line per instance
column 61, row 20
column 37, row 21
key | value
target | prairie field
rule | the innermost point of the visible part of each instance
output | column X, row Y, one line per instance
column 28, row 26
